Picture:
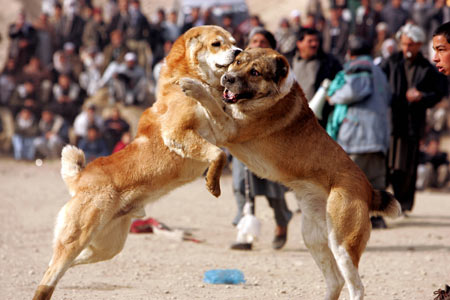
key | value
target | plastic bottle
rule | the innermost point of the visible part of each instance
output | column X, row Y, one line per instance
column 318, row 100
column 224, row 276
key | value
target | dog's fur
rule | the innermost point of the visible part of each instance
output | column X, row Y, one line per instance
column 270, row 127
column 110, row 191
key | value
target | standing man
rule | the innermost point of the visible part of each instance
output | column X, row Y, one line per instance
column 416, row 85
column 441, row 46
column 394, row 15
column 23, row 41
column 336, row 34
column 274, row 192
column 311, row 65
column 364, row 131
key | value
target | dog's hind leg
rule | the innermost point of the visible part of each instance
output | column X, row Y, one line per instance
column 195, row 147
column 73, row 231
column 314, row 233
column 348, row 269
column 107, row 243
column 349, row 231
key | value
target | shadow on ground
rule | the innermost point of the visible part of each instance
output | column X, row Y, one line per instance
column 404, row 248
column 98, row 286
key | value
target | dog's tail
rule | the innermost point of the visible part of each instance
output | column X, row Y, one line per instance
column 384, row 203
column 72, row 163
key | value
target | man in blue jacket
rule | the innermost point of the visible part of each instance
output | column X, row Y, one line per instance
column 361, row 96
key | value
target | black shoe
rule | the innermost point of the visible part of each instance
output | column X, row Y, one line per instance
column 241, row 246
column 280, row 238
column 378, row 223
column 279, row 241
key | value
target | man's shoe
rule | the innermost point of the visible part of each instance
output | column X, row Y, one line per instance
column 378, row 223
column 241, row 246
column 280, row 238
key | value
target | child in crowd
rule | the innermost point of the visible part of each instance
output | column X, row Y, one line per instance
column 433, row 169
column 124, row 141
column 54, row 133
column 25, row 131
column 93, row 145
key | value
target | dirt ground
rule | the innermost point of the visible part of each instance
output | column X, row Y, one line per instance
column 409, row 260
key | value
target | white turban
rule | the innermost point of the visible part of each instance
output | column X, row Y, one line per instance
column 414, row 32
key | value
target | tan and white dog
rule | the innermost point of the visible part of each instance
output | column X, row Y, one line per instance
column 268, row 125
column 110, row 191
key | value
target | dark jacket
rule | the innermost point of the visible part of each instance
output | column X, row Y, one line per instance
column 138, row 27
column 337, row 47
column 394, row 17
column 22, row 55
column 74, row 34
column 408, row 119
column 329, row 67
column 95, row 34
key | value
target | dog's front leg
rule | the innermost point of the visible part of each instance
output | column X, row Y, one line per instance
column 188, row 143
column 224, row 125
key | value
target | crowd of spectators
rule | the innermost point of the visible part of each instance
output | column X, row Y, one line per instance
column 74, row 52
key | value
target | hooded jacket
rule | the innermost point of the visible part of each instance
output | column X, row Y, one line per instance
column 366, row 92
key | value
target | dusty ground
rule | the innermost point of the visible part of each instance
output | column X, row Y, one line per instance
column 407, row 261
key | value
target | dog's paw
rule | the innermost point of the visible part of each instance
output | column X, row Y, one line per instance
column 213, row 187
column 192, row 88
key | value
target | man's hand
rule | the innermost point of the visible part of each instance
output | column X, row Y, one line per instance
column 413, row 95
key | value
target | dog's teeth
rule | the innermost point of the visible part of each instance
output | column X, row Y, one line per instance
column 228, row 94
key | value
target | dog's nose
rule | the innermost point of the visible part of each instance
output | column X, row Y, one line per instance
column 228, row 79
column 237, row 51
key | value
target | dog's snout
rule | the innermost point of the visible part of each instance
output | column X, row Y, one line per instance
column 228, row 78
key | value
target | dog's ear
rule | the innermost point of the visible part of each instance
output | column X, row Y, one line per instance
column 193, row 46
column 177, row 53
column 281, row 68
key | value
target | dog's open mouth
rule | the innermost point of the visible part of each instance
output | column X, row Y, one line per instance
column 230, row 97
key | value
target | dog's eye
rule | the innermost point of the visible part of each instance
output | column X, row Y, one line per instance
column 216, row 44
column 253, row 72
column 238, row 62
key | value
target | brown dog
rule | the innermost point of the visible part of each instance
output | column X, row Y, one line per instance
column 269, row 126
column 109, row 192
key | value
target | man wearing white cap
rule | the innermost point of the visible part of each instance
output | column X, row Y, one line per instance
column 416, row 85
column 127, row 81
column 131, row 82
column 295, row 19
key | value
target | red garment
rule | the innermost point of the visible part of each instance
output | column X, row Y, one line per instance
column 142, row 226
column 119, row 146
